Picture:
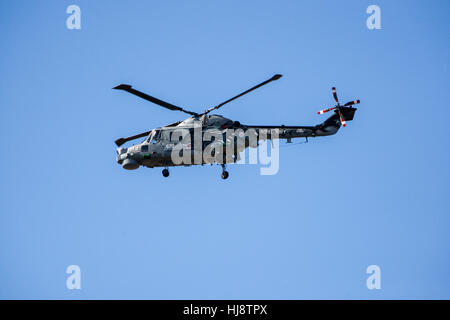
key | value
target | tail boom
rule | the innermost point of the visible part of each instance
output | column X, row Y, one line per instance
column 326, row 128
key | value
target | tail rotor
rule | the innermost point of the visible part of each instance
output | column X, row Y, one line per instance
column 341, row 110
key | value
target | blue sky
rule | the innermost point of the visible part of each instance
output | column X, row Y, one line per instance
column 375, row 193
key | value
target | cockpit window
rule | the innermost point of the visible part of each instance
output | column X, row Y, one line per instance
column 155, row 136
column 144, row 148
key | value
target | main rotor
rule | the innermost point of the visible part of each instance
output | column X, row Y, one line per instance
column 129, row 88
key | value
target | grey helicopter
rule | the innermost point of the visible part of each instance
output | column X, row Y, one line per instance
column 158, row 147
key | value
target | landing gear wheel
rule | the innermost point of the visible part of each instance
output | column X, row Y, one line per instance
column 165, row 173
column 225, row 175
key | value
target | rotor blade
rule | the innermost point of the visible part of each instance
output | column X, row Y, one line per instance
column 324, row 110
column 335, row 94
column 275, row 77
column 351, row 103
column 128, row 88
column 341, row 117
column 121, row 141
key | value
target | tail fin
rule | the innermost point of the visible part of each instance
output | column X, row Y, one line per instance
column 333, row 123
column 348, row 113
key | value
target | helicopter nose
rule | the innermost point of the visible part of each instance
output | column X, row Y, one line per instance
column 121, row 155
column 126, row 159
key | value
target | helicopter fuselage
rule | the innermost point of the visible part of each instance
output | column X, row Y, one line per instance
column 158, row 147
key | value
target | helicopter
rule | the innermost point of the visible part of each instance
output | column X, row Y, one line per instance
column 160, row 144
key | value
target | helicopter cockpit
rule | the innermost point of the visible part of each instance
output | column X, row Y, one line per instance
column 154, row 136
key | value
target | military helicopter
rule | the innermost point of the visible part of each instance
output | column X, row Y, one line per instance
column 157, row 148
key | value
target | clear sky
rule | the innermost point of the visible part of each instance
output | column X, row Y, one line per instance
column 377, row 192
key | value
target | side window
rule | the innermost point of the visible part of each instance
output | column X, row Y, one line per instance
column 155, row 137
column 165, row 135
column 144, row 148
